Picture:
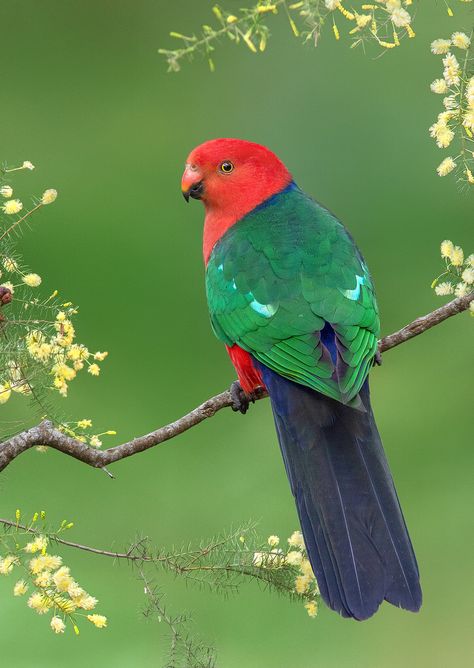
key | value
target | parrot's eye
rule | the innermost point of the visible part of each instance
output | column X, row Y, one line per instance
column 227, row 167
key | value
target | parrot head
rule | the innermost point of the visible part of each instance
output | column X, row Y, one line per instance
column 231, row 177
column 224, row 173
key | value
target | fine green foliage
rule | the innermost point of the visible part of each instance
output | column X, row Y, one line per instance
column 185, row 651
column 222, row 563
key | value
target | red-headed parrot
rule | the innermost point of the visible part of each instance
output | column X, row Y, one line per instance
column 291, row 297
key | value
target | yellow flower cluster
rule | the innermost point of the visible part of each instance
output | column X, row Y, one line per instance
column 381, row 21
column 59, row 351
column 54, row 590
column 458, row 277
column 295, row 558
column 458, row 116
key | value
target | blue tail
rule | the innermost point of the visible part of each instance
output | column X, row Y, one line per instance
column 349, row 512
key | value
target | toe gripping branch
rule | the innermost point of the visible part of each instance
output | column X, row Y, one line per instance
column 240, row 399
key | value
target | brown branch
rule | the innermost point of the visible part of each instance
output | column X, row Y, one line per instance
column 46, row 434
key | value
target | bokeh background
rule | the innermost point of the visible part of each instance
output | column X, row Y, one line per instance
column 86, row 97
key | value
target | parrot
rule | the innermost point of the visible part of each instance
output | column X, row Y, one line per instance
column 292, row 299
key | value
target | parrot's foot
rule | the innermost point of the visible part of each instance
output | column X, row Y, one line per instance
column 240, row 400
column 378, row 358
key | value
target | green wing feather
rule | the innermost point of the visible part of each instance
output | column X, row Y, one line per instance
column 277, row 276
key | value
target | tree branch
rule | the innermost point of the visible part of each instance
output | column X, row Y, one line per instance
column 46, row 434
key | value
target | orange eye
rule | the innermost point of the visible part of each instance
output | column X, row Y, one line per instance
column 227, row 167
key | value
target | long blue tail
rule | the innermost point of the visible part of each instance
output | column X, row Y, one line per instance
column 349, row 512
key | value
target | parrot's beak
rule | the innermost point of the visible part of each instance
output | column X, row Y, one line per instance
column 192, row 184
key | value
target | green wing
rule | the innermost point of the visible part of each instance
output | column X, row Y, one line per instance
column 277, row 277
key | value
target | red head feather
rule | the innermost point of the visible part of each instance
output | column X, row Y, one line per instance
column 232, row 177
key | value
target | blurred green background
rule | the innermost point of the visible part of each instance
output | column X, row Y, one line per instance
column 87, row 99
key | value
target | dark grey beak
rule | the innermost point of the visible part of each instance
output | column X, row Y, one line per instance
column 196, row 191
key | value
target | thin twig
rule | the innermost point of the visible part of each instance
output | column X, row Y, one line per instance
column 86, row 548
column 46, row 434
column 20, row 220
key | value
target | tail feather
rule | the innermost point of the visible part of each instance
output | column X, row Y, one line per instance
column 348, row 508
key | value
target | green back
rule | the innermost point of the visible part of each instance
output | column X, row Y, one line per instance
column 277, row 276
